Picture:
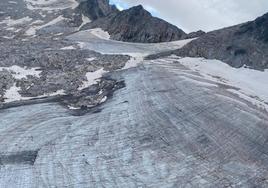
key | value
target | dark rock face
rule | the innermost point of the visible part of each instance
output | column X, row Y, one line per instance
column 245, row 44
column 95, row 9
column 257, row 29
column 195, row 34
column 138, row 25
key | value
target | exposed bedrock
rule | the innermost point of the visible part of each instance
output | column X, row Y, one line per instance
column 137, row 25
column 244, row 44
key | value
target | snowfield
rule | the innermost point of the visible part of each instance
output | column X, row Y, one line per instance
column 99, row 41
column 51, row 5
column 250, row 84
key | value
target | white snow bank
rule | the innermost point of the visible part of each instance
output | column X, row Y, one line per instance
column 90, row 59
column 12, row 94
column 7, row 37
column 32, row 30
column 85, row 20
column 252, row 84
column 103, row 99
column 73, row 108
column 92, row 78
column 68, row 48
column 11, row 22
column 176, row 44
column 37, row 22
column 56, row 93
column 49, row 5
column 22, row 72
column 100, row 33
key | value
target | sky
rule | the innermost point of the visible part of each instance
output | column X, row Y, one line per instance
column 207, row 15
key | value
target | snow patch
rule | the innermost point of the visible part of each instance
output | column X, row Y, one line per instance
column 85, row 20
column 10, row 29
column 90, row 59
column 51, row 5
column 56, row 93
column 81, row 45
column 103, row 99
column 58, row 34
column 7, row 37
column 73, row 108
column 178, row 44
column 68, row 48
column 32, row 30
column 12, row 95
column 252, row 84
column 100, row 33
column 19, row 72
column 37, row 22
column 11, row 22
column 92, row 78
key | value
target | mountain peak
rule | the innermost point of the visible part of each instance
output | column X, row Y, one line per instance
column 138, row 25
column 135, row 24
column 95, row 9
column 138, row 11
column 138, row 7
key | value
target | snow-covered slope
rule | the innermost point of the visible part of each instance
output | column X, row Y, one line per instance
column 99, row 40
column 249, row 84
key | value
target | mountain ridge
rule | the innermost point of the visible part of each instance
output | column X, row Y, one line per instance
column 95, row 9
column 239, row 45
column 136, row 25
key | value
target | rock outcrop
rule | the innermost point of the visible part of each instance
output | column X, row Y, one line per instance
column 137, row 25
column 195, row 34
column 244, row 44
column 95, row 9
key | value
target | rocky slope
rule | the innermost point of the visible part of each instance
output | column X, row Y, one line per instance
column 37, row 62
column 137, row 25
column 245, row 44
